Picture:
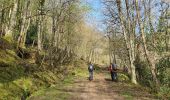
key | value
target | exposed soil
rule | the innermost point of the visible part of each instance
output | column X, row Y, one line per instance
column 101, row 88
column 98, row 89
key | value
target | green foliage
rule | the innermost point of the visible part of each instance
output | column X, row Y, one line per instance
column 127, row 95
column 85, row 8
column 143, row 72
column 47, row 77
column 163, row 68
column 80, row 69
column 15, row 82
column 32, row 34
column 54, row 92
column 164, row 93
column 123, row 78
column 80, row 73
column 9, row 38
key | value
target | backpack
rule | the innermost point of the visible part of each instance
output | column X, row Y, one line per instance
column 90, row 68
column 114, row 66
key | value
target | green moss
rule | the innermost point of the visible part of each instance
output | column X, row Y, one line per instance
column 8, row 38
column 123, row 78
column 10, row 73
column 127, row 96
column 10, row 91
column 7, row 58
column 6, row 43
column 81, row 72
column 54, row 92
column 68, row 80
column 49, row 94
column 164, row 93
column 15, row 82
column 48, row 77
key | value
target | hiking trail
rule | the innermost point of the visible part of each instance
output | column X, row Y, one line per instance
column 98, row 89
column 101, row 88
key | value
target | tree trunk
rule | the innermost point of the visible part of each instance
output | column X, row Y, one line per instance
column 24, row 26
column 12, row 20
column 110, row 53
column 150, row 60
column 2, row 21
column 128, row 45
column 40, row 33
column 53, row 31
column 114, row 58
column 91, row 55
column 40, row 24
column 167, row 38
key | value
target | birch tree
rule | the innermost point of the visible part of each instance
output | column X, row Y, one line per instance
column 147, row 53
column 12, row 14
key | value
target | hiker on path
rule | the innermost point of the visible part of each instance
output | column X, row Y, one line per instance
column 113, row 69
column 90, row 69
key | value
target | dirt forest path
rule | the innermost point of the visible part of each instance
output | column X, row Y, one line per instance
column 101, row 88
column 98, row 89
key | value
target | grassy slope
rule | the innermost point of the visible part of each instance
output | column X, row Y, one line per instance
column 22, row 77
column 55, row 92
column 10, row 73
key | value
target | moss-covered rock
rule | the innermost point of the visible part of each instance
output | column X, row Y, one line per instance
column 5, row 44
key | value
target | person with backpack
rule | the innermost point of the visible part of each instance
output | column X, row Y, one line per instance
column 113, row 73
column 90, row 69
column 114, row 68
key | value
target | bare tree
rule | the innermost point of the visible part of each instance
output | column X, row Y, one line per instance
column 147, row 53
column 9, row 29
